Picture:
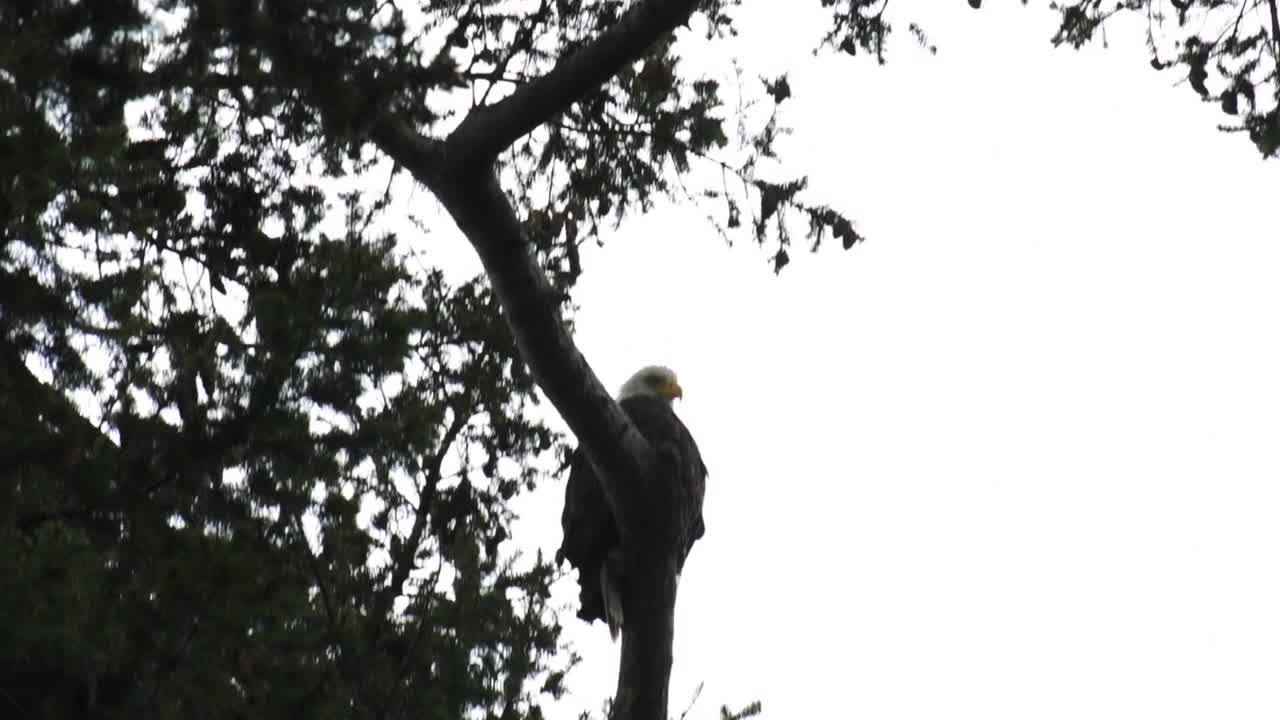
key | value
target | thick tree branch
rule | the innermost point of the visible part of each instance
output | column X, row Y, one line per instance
column 460, row 172
column 623, row 459
column 489, row 130
column 644, row 671
column 420, row 155
column 532, row 309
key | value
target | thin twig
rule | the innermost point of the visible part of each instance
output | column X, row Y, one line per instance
column 696, row 694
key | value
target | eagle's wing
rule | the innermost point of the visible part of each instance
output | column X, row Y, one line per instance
column 589, row 532
column 660, row 425
column 587, row 521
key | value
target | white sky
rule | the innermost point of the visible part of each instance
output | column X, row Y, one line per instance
column 1016, row 456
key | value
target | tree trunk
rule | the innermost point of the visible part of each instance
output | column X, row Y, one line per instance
column 640, row 488
column 648, row 631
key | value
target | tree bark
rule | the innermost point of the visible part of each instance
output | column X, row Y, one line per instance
column 649, row 577
column 644, row 671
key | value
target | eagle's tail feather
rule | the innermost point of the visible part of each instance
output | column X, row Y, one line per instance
column 611, row 591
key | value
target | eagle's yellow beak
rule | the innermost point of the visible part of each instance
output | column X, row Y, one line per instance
column 671, row 390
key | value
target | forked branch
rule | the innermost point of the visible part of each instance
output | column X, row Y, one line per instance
column 460, row 172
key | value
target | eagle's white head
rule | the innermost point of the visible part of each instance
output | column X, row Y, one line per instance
column 653, row 380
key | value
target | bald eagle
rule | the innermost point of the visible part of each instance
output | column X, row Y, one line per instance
column 591, row 540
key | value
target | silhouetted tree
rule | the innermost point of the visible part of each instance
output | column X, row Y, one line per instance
column 257, row 447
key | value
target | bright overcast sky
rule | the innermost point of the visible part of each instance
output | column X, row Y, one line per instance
column 1016, row 456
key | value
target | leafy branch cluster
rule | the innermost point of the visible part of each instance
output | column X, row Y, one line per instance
column 1230, row 51
column 280, row 481
column 649, row 131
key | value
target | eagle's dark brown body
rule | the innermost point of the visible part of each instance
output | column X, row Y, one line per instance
column 590, row 532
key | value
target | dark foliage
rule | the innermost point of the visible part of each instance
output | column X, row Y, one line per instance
column 1228, row 49
column 250, row 446
column 256, row 447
